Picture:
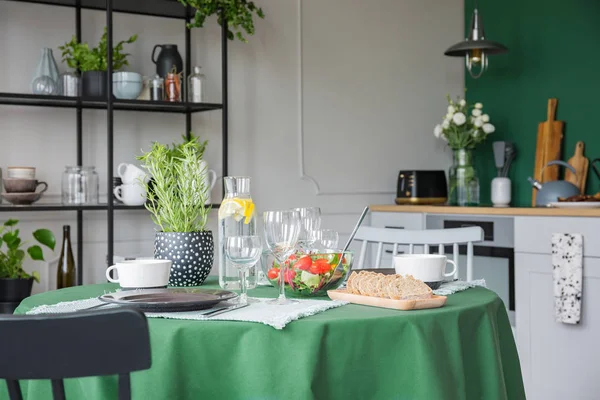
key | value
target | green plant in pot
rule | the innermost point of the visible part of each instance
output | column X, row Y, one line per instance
column 92, row 62
column 15, row 283
column 177, row 195
column 238, row 15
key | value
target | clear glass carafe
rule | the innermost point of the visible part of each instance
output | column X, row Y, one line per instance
column 80, row 185
column 464, row 183
column 237, row 217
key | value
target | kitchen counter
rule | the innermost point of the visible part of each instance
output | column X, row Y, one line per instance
column 508, row 211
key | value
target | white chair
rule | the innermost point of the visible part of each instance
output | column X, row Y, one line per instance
column 425, row 238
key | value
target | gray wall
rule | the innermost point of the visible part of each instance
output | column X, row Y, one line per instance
column 327, row 102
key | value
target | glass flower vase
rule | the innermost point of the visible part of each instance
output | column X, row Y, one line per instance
column 463, row 180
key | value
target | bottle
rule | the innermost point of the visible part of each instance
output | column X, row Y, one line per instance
column 236, row 218
column 65, row 276
column 196, row 86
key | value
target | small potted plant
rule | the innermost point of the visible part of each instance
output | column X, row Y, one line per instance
column 177, row 195
column 238, row 14
column 15, row 283
column 93, row 64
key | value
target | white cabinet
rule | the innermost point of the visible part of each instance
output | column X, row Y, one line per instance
column 411, row 221
column 559, row 361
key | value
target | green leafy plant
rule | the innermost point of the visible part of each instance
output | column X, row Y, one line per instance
column 177, row 193
column 81, row 56
column 11, row 260
column 238, row 15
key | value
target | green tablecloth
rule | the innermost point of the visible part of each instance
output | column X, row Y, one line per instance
column 464, row 350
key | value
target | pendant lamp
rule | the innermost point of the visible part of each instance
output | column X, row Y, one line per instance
column 476, row 48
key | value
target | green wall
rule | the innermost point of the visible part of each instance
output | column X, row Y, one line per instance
column 554, row 51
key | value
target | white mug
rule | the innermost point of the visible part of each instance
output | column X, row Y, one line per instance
column 138, row 274
column 130, row 173
column 132, row 194
column 429, row 268
column 501, row 192
column 210, row 179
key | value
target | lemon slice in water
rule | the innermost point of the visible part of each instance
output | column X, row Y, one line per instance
column 238, row 209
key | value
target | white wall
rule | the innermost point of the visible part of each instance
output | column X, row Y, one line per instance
column 327, row 102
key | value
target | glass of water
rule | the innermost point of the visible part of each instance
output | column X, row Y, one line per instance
column 243, row 252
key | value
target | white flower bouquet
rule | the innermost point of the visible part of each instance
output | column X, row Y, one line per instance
column 464, row 126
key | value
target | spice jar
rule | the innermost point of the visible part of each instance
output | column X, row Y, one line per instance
column 157, row 88
column 173, row 87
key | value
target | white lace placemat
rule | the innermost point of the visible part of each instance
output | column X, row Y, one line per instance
column 448, row 288
column 276, row 316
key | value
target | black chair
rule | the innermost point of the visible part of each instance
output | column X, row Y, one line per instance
column 74, row 345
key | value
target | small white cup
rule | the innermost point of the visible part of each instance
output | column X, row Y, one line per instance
column 501, row 192
column 141, row 274
column 132, row 194
column 21, row 172
column 429, row 268
column 130, row 173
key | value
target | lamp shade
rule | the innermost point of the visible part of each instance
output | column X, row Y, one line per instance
column 475, row 41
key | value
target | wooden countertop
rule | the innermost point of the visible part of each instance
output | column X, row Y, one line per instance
column 509, row 211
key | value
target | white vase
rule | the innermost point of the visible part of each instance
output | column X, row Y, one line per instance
column 501, row 192
column 210, row 179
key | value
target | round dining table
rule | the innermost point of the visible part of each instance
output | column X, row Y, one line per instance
column 464, row 350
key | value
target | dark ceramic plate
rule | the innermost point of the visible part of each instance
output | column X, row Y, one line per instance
column 170, row 299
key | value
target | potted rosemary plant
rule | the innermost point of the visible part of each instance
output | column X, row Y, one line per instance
column 15, row 283
column 177, row 195
column 93, row 64
column 238, row 15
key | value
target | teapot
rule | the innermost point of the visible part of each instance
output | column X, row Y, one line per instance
column 549, row 192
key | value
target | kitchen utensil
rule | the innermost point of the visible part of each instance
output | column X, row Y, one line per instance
column 421, row 187
column 226, row 309
column 360, row 220
column 499, row 156
column 549, row 140
column 168, row 58
column 550, row 192
column 581, row 164
column 170, row 299
column 509, row 156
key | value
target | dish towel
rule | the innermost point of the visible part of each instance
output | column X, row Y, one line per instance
column 276, row 316
column 567, row 271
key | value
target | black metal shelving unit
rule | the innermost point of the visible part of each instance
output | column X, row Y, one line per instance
column 157, row 8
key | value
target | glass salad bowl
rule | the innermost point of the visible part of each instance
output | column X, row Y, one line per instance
column 311, row 274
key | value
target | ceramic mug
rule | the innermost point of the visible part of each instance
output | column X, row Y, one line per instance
column 18, row 185
column 130, row 173
column 131, row 195
column 21, row 172
column 501, row 194
column 210, row 179
column 429, row 268
column 141, row 274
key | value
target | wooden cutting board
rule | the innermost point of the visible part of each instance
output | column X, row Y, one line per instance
column 404, row 305
column 581, row 165
column 548, row 147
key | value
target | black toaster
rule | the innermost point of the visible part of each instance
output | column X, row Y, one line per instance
column 422, row 187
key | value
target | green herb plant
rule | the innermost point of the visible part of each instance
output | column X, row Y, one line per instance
column 11, row 260
column 177, row 193
column 80, row 56
column 238, row 15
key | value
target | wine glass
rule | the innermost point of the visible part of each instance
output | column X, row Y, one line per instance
column 310, row 221
column 243, row 252
column 281, row 236
column 326, row 239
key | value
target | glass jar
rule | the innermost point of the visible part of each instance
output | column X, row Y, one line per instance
column 80, row 185
column 196, row 86
column 237, row 217
column 157, row 86
column 463, row 180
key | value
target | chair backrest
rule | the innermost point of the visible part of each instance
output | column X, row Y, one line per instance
column 58, row 346
column 425, row 238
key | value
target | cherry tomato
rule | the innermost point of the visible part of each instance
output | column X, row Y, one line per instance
column 292, row 257
column 304, row 263
column 323, row 265
column 273, row 273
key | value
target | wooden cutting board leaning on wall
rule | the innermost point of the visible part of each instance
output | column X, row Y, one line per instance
column 581, row 165
column 548, row 147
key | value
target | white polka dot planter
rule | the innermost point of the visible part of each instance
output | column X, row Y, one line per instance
column 192, row 254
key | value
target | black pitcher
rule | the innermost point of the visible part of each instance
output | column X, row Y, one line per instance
column 167, row 59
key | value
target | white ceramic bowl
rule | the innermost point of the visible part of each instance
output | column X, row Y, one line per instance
column 127, row 85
